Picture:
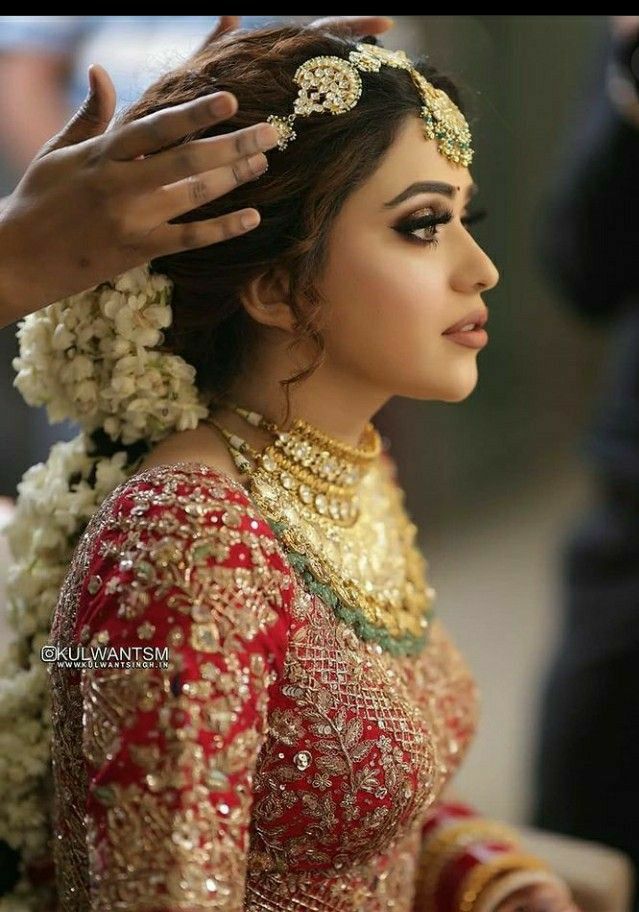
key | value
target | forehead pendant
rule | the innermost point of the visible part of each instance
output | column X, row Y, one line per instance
column 333, row 85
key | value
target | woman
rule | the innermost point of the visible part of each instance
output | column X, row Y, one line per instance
column 294, row 749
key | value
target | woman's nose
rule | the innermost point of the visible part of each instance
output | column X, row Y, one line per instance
column 476, row 271
column 492, row 274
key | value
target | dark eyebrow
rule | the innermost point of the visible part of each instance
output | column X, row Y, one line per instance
column 429, row 187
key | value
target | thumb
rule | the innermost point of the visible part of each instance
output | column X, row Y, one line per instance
column 94, row 114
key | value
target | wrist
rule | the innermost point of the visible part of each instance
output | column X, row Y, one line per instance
column 19, row 294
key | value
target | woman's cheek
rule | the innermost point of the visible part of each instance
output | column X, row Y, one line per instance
column 388, row 297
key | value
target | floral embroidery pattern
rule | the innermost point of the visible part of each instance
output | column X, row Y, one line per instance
column 279, row 762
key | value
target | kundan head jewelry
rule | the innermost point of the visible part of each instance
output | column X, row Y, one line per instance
column 333, row 85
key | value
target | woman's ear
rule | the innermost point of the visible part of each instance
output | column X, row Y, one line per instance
column 266, row 298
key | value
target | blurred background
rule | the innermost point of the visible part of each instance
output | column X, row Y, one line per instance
column 494, row 483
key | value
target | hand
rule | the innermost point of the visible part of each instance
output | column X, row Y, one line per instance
column 91, row 205
column 348, row 25
column 541, row 897
column 355, row 25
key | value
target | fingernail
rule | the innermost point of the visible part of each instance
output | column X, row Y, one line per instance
column 221, row 105
column 91, row 79
column 249, row 220
column 267, row 136
column 258, row 163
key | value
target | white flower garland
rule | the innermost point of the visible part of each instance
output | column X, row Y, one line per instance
column 91, row 358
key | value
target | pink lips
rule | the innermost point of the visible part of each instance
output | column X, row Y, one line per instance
column 470, row 338
column 479, row 316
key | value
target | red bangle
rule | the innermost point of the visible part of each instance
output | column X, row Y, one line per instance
column 459, row 867
column 468, row 874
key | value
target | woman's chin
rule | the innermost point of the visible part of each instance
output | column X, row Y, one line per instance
column 462, row 392
column 463, row 383
column 455, row 389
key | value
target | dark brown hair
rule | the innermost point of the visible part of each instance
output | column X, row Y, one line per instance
column 298, row 197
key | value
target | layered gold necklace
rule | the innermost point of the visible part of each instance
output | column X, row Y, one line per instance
column 341, row 519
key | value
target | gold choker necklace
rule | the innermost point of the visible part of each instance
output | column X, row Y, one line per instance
column 321, row 472
column 341, row 518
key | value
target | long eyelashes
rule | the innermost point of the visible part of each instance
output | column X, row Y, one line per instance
column 431, row 222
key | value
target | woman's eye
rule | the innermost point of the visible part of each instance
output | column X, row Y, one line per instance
column 424, row 231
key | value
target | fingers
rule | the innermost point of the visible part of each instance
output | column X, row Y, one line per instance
column 198, row 189
column 202, row 155
column 93, row 116
column 164, row 128
column 355, row 25
column 174, row 238
column 227, row 24
column 104, row 90
column 224, row 24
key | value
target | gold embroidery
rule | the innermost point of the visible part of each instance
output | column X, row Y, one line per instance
column 176, row 842
column 381, row 743
column 386, row 883
column 352, row 746
column 169, row 838
column 111, row 701
column 368, row 743
column 146, row 630
column 197, row 862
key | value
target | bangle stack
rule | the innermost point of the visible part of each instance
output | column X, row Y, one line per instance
column 463, row 855
column 445, row 846
column 479, row 873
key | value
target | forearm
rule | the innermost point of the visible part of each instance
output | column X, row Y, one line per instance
column 20, row 292
column 33, row 107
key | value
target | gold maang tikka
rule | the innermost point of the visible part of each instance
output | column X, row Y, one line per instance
column 334, row 85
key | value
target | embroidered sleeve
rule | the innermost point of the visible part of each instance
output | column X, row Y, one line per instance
column 471, row 864
column 184, row 564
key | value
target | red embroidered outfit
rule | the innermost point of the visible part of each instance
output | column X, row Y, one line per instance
column 280, row 762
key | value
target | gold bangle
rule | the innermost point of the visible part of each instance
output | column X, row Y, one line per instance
column 439, row 849
column 480, row 876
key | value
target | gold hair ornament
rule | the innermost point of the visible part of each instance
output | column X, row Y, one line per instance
column 334, row 85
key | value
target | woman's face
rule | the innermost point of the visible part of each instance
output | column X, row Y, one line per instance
column 393, row 288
